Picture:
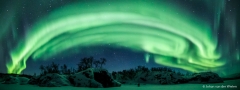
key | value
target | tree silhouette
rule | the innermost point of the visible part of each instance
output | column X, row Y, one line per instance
column 55, row 68
column 96, row 63
column 90, row 62
column 42, row 68
column 102, row 61
column 64, row 69
column 52, row 68
column 48, row 69
column 80, row 67
column 85, row 63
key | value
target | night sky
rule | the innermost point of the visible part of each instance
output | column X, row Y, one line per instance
column 192, row 35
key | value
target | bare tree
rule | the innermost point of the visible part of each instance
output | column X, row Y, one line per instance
column 90, row 62
column 80, row 67
column 64, row 69
column 102, row 61
column 48, row 69
column 42, row 68
column 96, row 63
column 85, row 63
column 55, row 68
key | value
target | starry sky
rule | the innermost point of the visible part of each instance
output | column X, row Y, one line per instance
column 192, row 35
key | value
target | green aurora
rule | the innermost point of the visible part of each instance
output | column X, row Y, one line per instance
column 171, row 35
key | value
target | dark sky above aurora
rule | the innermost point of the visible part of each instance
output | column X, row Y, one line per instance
column 193, row 35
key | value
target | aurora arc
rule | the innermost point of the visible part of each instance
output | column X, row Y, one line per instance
column 174, row 38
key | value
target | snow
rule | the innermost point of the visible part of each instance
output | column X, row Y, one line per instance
column 16, row 80
column 166, row 77
column 23, row 80
column 205, row 77
column 235, row 83
column 84, row 79
column 50, row 80
column 152, row 77
column 93, row 77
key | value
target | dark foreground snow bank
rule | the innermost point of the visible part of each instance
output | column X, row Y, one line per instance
column 205, row 77
column 15, row 80
column 160, row 78
column 50, row 80
column 166, row 77
column 93, row 78
column 97, row 78
column 235, row 85
column 84, row 79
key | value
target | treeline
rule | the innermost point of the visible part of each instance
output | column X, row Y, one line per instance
column 131, row 73
column 90, row 62
column 85, row 63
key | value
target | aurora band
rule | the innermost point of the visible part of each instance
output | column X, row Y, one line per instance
column 172, row 36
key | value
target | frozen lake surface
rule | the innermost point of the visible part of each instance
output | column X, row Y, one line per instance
column 227, row 85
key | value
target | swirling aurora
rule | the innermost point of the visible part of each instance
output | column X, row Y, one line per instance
column 173, row 36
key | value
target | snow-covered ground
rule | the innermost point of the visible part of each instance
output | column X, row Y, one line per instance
column 215, row 86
